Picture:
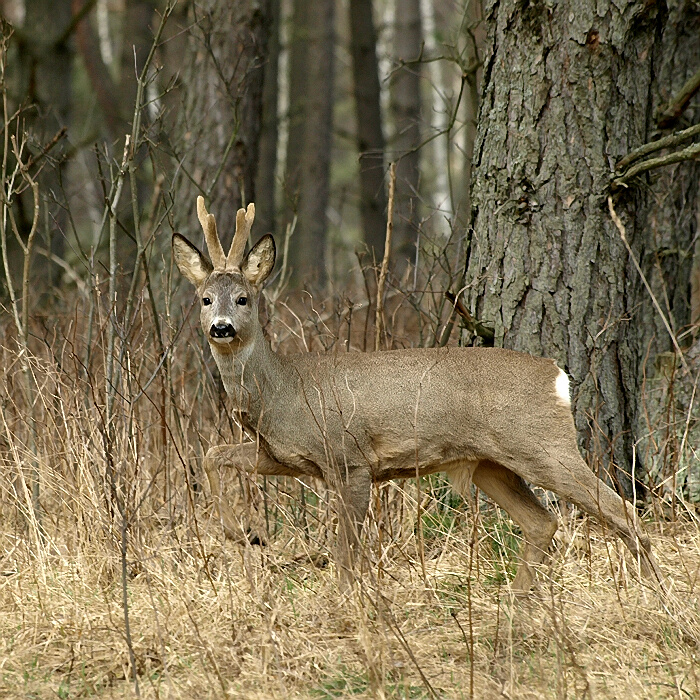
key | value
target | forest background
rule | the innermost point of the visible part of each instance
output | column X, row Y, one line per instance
column 546, row 200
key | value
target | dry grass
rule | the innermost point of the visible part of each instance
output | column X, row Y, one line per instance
column 228, row 621
column 431, row 614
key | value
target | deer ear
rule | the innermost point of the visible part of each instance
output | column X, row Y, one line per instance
column 193, row 265
column 259, row 263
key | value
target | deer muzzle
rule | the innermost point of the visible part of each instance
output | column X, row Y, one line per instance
column 222, row 331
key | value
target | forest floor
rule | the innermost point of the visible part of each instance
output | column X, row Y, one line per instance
column 213, row 619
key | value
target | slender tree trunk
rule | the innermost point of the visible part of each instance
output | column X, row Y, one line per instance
column 114, row 111
column 474, row 41
column 46, row 57
column 309, row 247
column 297, row 84
column 265, row 183
column 437, row 123
column 138, row 37
column 406, row 114
column 370, row 137
column 570, row 89
column 221, row 116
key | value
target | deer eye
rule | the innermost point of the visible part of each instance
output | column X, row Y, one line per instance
column 242, row 301
column 206, row 301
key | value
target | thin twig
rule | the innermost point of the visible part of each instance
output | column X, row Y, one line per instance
column 379, row 315
column 28, row 258
column 623, row 235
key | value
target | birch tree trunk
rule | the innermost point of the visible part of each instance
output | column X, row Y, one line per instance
column 569, row 89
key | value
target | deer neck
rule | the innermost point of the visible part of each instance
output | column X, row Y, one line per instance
column 252, row 375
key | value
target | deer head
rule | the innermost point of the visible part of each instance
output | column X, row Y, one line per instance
column 229, row 285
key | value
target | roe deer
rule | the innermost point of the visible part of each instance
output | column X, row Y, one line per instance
column 494, row 417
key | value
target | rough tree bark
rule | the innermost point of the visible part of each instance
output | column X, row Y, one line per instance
column 569, row 89
column 406, row 112
column 220, row 117
column 370, row 137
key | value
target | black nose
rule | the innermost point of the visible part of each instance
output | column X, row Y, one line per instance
column 222, row 330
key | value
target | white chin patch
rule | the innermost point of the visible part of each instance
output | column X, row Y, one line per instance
column 561, row 388
column 220, row 340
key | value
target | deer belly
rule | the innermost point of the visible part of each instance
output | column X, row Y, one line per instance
column 406, row 458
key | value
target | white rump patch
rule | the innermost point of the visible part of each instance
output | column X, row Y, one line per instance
column 561, row 388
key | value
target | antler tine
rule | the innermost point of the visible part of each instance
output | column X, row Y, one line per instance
column 211, row 236
column 244, row 222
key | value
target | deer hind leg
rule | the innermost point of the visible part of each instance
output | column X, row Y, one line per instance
column 571, row 478
column 245, row 456
column 538, row 525
column 353, row 502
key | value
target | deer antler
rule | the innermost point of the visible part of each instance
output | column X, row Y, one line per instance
column 211, row 236
column 244, row 222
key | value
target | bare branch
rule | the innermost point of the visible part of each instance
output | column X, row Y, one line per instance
column 668, row 114
column 688, row 153
column 472, row 324
column 666, row 142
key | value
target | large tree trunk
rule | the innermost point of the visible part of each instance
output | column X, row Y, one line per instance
column 406, row 114
column 370, row 137
column 569, row 89
column 221, row 116
column 308, row 248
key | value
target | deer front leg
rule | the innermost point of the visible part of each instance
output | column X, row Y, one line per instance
column 251, row 459
column 353, row 502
